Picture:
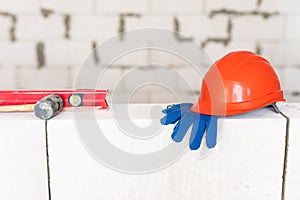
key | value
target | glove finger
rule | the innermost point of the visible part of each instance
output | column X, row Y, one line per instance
column 177, row 107
column 211, row 132
column 197, row 134
column 182, row 127
column 171, row 118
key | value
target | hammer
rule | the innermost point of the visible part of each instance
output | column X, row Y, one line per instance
column 48, row 107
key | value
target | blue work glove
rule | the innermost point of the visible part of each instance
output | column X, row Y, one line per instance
column 185, row 118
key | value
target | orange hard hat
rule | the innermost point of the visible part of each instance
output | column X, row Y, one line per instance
column 239, row 82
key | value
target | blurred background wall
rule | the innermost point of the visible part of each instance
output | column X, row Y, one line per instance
column 44, row 42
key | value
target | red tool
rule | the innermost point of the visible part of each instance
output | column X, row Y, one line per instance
column 24, row 100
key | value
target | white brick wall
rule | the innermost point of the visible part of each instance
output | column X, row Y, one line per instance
column 94, row 21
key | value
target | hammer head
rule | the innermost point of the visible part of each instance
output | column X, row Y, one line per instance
column 48, row 107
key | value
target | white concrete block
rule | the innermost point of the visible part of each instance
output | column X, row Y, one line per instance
column 166, row 58
column 40, row 28
column 160, row 94
column 191, row 77
column 291, row 78
column 45, row 78
column 290, row 51
column 177, row 53
column 291, row 97
column 7, row 78
column 20, row 7
column 134, row 78
column 292, row 110
column 171, row 98
column 140, row 96
column 69, row 6
column 137, row 57
column 110, row 78
column 256, row 28
column 274, row 52
column 293, row 28
column 139, row 77
column 203, row 27
column 81, row 53
column 280, row 73
column 246, row 164
column 121, row 6
column 23, row 168
column 215, row 50
column 153, row 93
column 17, row 53
column 106, row 79
column 135, row 85
column 289, row 7
column 243, row 5
column 149, row 21
column 5, row 26
column 89, row 77
column 123, row 96
column 283, row 53
column 176, row 7
column 67, row 53
column 271, row 5
column 94, row 28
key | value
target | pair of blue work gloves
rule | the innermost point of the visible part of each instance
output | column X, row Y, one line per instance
column 185, row 118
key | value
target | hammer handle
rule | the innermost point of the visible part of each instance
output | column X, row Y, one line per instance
column 18, row 108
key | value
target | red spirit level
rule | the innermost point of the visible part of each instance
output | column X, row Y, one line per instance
column 24, row 100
